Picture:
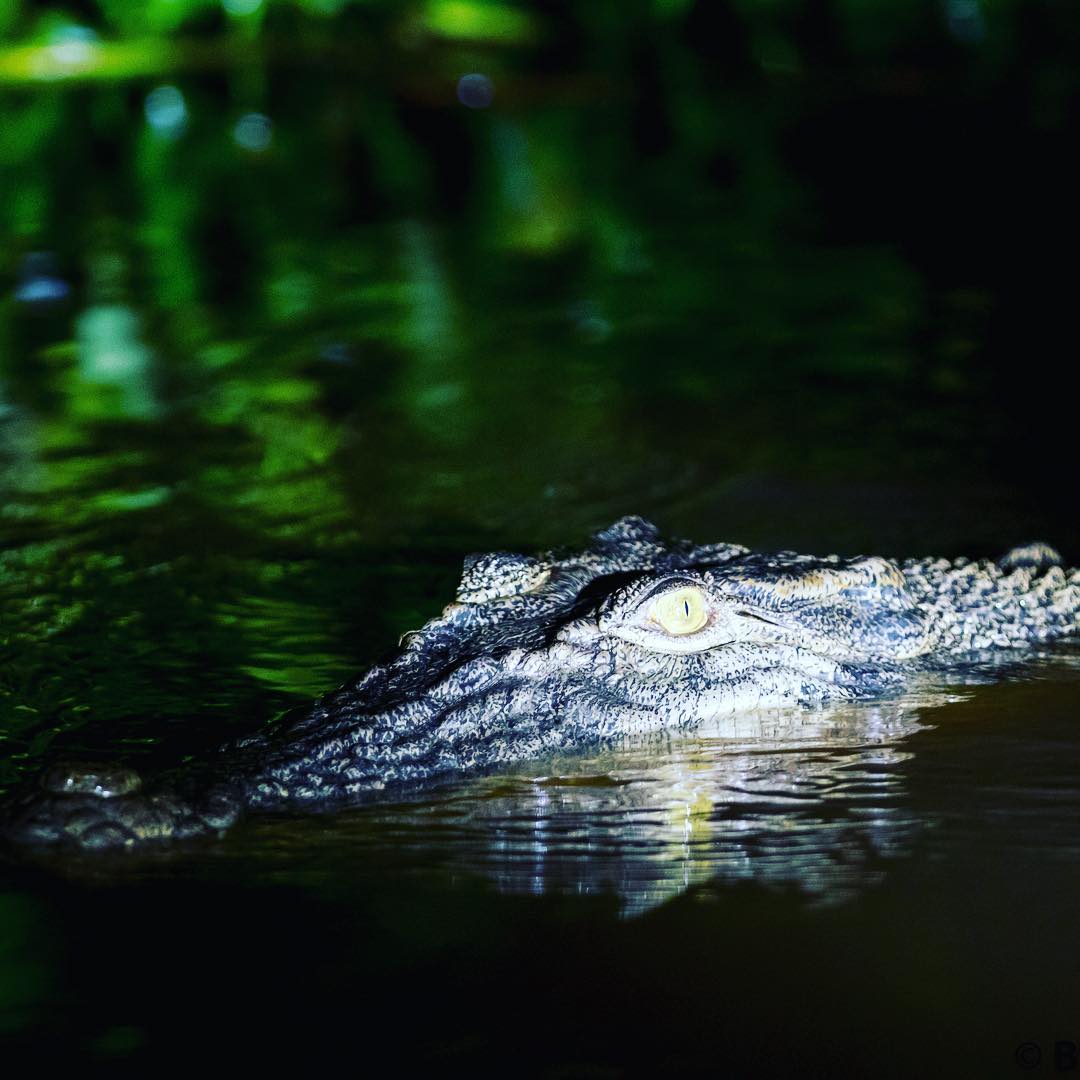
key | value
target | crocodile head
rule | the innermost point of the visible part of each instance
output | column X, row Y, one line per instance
column 538, row 655
column 629, row 636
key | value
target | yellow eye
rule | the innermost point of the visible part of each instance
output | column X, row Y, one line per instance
column 681, row 611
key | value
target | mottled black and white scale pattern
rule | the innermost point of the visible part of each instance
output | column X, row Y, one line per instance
column 547, row 653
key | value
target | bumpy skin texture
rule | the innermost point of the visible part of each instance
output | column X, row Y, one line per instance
column 539, row 654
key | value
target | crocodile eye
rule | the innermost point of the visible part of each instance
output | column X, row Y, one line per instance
column 680, row 612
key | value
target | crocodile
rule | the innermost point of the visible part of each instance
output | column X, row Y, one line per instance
column 630, row 636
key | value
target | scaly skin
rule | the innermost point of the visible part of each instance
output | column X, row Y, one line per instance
column 570, row 648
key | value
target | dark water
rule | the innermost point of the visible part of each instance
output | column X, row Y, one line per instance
column 253, row 412
column 888, row 884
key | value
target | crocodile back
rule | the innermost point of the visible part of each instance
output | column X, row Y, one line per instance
column 1026, row 597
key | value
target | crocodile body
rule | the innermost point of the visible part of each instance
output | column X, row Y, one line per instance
column 541, row 654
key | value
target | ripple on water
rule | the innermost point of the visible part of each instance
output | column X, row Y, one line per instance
column 812, row 801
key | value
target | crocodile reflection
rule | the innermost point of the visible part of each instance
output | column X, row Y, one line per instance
column 785, row 798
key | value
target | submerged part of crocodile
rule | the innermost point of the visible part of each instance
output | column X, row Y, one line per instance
column 540, row 654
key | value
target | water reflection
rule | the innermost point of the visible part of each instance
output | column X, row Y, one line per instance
column 166, row 111
column 792, row 799
column 39, row 282
column 254, row 132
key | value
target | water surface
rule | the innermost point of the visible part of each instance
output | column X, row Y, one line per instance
column 243, row 450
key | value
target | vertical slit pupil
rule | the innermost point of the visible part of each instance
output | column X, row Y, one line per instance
column 686, row 607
